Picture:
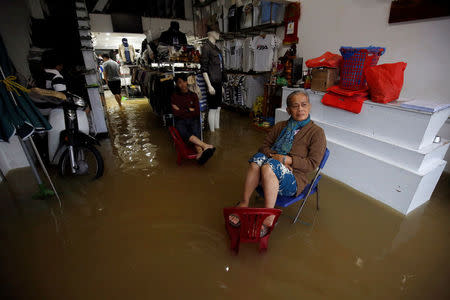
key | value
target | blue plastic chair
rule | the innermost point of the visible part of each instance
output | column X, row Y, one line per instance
column 311, row 188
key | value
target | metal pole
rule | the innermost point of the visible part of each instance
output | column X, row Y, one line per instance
column 306, row 198
column 45, row 170
column 30, row 161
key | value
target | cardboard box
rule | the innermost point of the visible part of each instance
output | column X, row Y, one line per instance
column 323, row 78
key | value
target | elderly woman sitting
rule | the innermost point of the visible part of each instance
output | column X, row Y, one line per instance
column 290, row 151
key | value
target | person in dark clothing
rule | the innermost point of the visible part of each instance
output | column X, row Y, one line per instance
column 50, row 79
column 173, row 36
column 186, row 109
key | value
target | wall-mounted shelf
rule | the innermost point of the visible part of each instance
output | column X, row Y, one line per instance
column 245, row 73
column 251, row 31
column 206, row 3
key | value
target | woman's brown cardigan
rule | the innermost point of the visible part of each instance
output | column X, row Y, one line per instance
column 307, row 150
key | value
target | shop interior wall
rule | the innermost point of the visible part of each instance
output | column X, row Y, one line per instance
column 158, row 25
column 326, row 25
column 102, row 23
column 15, row 32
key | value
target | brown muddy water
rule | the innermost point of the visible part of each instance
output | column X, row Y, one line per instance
column 149, row 229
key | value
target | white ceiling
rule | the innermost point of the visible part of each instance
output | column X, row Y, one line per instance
column 107, row 40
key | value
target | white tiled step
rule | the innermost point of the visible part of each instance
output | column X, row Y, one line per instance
column 411, row 159
column 407, row 158
column 390, row 184
column 386, row 122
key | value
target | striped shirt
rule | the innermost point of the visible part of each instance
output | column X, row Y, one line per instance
column 54, row 80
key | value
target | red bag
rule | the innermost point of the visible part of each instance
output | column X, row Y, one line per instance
column 385, row 81
column 344, row 92
column 349, row 103
column 328, row 59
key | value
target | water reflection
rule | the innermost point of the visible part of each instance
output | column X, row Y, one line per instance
column 151, row 229
column 131, row 137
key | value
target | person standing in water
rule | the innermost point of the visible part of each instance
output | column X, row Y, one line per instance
column 111, row 70
column 186, row 109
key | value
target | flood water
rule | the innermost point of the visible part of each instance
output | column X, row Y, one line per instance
column 149, row 229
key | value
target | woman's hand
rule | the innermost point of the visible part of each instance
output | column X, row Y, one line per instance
column 284, row 159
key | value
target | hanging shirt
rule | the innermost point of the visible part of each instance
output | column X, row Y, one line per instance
column 234, row 16
column 236, row 54
column 247, row 55
column 226, row 51
column 247, row 13
column 270, row 12
column 263, row 49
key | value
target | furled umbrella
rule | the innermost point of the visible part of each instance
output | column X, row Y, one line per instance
column 19, row 116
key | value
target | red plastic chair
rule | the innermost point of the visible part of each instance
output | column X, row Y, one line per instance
column 184, row 151
column 249, row 231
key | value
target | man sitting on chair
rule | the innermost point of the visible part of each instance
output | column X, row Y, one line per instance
column 186, row 109
column 290, row 151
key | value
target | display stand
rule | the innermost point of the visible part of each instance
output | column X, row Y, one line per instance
column 97, row 113
column 386, row 151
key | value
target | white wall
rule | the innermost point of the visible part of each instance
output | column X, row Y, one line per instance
column 157, row 25
column 188, row 9
column 326, row 25
column 103, row 23
column 12, row 156
column 15, row 31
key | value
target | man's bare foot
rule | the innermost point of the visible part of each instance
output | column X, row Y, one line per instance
column 198, row 155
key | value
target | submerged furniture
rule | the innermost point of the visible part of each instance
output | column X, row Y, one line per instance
column 183, row 151
column 251, row 221
column 387, row 151
column 311, row 188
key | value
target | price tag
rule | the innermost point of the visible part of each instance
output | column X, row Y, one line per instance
column 290, row 28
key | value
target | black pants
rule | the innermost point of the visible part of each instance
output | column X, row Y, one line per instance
column 114, row 86
column 214, row 101
column 188, row 128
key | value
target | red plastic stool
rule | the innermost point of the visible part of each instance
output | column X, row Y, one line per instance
column 184, row 151
column 249, row 231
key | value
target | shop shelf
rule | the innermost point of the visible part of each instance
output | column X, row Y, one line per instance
column 206, row 3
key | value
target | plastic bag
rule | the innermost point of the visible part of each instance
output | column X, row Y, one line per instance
column 328, row 59
column 385, row 81
column 349, row 103
column 344, row 92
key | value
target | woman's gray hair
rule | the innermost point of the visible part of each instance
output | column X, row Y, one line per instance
column 295, row 93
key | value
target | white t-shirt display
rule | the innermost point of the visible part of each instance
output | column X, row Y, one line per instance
column 264, row 48
column 236, row 54
column 247, row 55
